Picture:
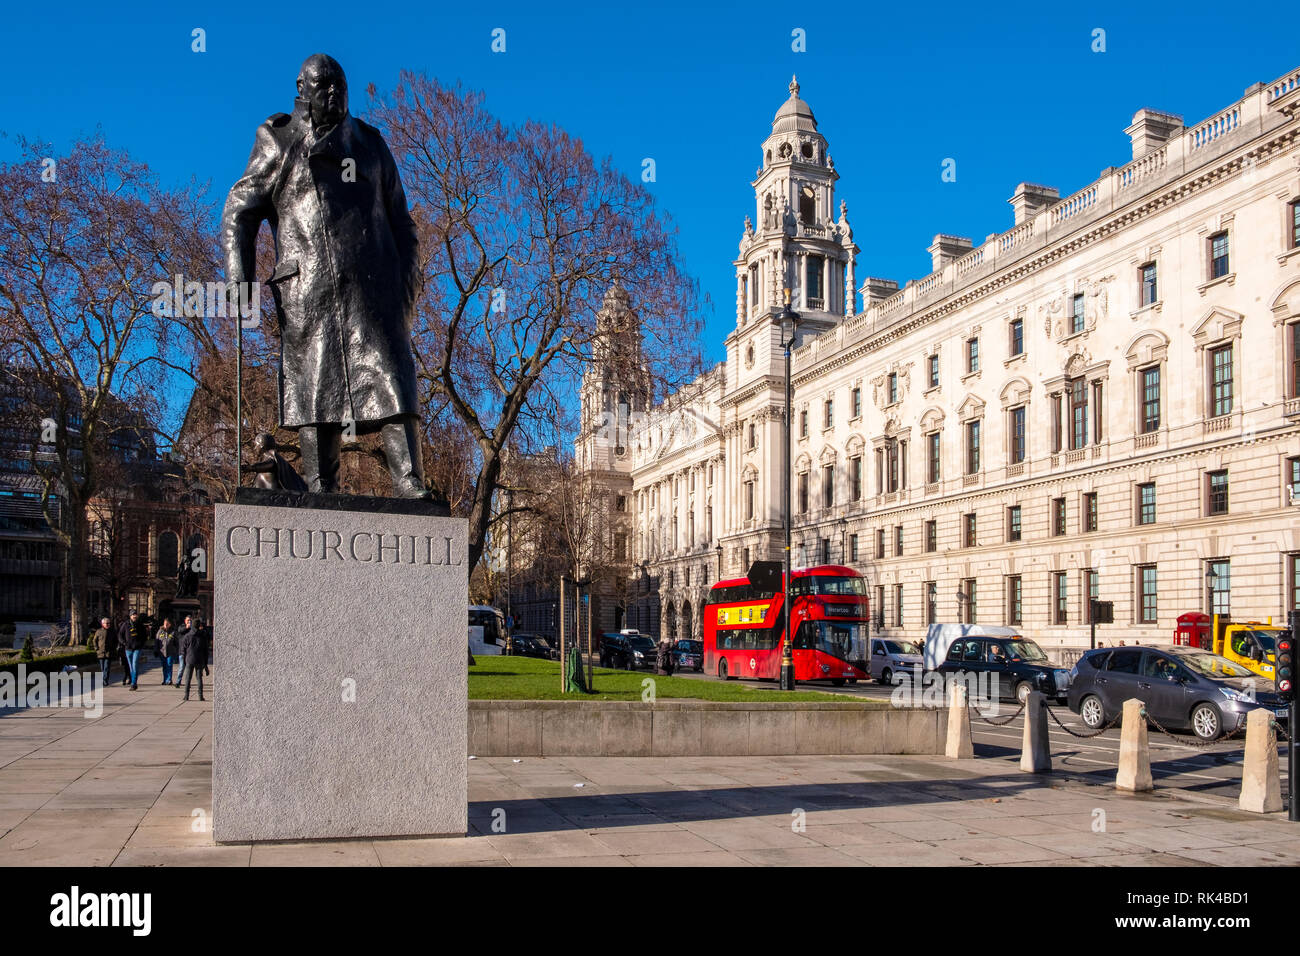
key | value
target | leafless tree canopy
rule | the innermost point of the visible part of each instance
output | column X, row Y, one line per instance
column 522, row 234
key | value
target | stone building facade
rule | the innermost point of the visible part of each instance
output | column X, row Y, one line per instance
column 1102, row 401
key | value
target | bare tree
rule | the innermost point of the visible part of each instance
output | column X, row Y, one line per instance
column 84, row 239
column 522, row 235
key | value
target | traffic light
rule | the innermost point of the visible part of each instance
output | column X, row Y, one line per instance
column 1284, row 665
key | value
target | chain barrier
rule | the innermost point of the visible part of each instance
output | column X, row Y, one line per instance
column 996, row 723
column 1281, row 731
column 1074, row 733
column 1194, row 744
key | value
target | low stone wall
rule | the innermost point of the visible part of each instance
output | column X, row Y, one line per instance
column 691, row 728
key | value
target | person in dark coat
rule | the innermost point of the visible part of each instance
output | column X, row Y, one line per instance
column 123, row 639
column 104, row 647
column 165, row 646
column 345, row 280
column 194, row 646
column 186, row 628
column 135, row 636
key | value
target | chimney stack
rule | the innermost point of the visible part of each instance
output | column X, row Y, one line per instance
column 1029, row 200
column 945, row 249
column 1151, row 129
column 877, row 290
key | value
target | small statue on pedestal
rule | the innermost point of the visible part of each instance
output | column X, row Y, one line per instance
column 273, row 472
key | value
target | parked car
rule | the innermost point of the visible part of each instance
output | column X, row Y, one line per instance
column 626, row 651
column 1018, row 664
column 889, row 655
column 1184, row 688
column 689, row 655
column 530, row 645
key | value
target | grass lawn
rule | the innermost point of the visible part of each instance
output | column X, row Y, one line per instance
column 530, row 678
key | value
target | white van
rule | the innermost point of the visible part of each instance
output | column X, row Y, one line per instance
column 940, row 637
column 487, row 630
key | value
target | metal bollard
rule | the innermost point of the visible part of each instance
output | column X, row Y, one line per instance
column 1036, row 748
column 959, row 743
column 1261, row 784
column 1134, row 750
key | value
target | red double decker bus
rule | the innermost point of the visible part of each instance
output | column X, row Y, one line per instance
column 744, row 625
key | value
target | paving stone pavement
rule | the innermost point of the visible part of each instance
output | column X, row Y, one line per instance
column 133, row 788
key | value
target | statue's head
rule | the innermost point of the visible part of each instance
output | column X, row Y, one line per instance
column 263, row 444
column 323, row 86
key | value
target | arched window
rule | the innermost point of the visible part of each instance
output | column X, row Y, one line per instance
column 808, row 205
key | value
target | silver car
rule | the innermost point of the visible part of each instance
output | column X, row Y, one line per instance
column 890, row 656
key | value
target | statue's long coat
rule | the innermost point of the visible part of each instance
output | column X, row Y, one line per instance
column 346, row 268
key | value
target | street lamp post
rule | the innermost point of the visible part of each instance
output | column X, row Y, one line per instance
column 844, row 541
column 789, row 324
column 719, row 550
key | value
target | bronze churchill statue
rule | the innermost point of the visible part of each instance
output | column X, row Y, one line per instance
column 345, row 279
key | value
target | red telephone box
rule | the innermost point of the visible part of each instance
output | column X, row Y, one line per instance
column 1194, row 631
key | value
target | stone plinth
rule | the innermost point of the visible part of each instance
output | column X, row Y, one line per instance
column 339, row 673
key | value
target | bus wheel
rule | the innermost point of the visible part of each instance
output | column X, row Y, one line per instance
column 837, row 681
column 722, row 670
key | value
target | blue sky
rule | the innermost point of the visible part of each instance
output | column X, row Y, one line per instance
column 1011, row 92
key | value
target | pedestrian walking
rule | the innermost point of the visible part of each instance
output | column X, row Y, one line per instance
column 186, row 628
column 165, row 645
column 136, row 637
column 124, row 638
column 194, row 647
column 103, row 640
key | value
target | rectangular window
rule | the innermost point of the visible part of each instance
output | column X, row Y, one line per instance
column 1295, row 224
column 968, row 536
column 1056, row 423
column 1147, row 277
column 1017, row 429
column 803, row 423
column 898, row 605
column 802, row 494
column 1096, row 412
column 1015, row 599
column 1220, row 381
column 1294, row 329
column 880, row 605
column 1293, row 481
column 893, row 387
column 933, row 361
column 1076, row 314
column 825, row 551
column 1017, row 337
column 932, row 472
column 880, row 543
column 1146, row 504
column 1150, row 399
column 891, row 465
column 932, row 536
column 855, row 477
column 972, row 355
column 1146, row 583
column 749, row 500
column 828, row 486
column 1078, row 413
column 1060, row 597
column 1218, row 586
column 931, row 602
column 970, row 596
column 753, row 435
column 1013, row 523
column 1090, row 511
column 898, row 540
column 972, row 447
column 1091, row 592
column 853, row 547
column 830, row 412
column 1058, row 516
column 1216, row 493
column 855, row 400
column 1293, row 582
column 1219, row 255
